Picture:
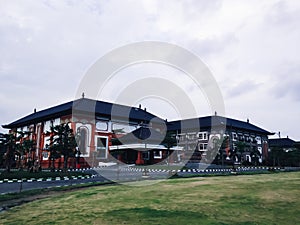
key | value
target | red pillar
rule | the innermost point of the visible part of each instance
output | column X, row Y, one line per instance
column 93, row 134
column 139, row 160
column 120, row 157
column 171, row 157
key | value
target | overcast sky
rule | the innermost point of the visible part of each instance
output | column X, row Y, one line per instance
column 251, row 47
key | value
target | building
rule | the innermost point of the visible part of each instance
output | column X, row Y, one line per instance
column 238, row 141
column 135, row 136
column 284, row 152
column 143, row 146
column 97, row 122
column 286, row 144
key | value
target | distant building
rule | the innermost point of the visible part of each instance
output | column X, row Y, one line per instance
column 286, row 144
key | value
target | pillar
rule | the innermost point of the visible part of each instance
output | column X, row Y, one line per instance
column 139, row 160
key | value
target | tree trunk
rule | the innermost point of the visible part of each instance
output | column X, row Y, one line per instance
column 53, row 164
column 8, row 160
column 65, row 162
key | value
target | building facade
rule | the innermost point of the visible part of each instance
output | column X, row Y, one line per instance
column 96, row 122
column 238, row 141
column 112, row 132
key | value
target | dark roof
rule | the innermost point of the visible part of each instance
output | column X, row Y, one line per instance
column 142, row 135
column 282, row 142
column 206, row 123
column 85, row 106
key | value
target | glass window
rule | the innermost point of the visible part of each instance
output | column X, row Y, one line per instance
column 123, row 128
column 83, row 134
column 202, row 146
column 258, row 140
column 234, row 136
column 145, row 155
column 101, row 147
column 45, row 155
column 100, row 125
column 46, row 142
column 202, row 136
column 157, row 154
column 181, row 137
column 47, row 126
column 191, row 136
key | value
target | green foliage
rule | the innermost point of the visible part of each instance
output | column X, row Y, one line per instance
column 169, row 140
column 281, row 157
column 62, row 142
column 15, row 143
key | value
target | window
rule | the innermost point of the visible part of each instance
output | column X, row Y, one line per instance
column 24, row 129
column 145, row 155
column 202, row 136
column 192, row 136
column 83, row 141
column 47, row 126
column 181, row 137
column 202, row 147
column 241, row 137
column 123, row 128
column 260, row 150
column 45, row 155
column 157, row 154
column 234, row 136
column 258, row 140
column 46, row 142
column 100, row 125
column 101, row 150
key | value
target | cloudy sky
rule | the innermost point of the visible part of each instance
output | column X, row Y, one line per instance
column 251, row 47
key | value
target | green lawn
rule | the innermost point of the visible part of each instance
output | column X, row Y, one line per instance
column 252, row 199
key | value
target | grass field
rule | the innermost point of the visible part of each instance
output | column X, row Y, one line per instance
column 252, row 199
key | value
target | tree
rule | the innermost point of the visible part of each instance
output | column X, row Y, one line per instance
column 8, row 142
column 169, row 141
column 241, row 147
column 62, row 143
column 214, row 151
column 255, row 155
column 277, row 154
column 15, row 143
column 24, row 147
column 295, row 155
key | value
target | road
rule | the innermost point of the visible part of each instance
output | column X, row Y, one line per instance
column 114, row 174
column 100, row 175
